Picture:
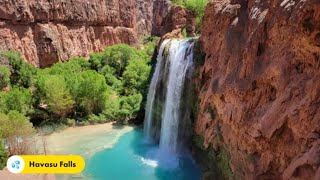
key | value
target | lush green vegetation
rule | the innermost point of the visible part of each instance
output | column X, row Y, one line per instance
column 110, row 86
column 3, row 157
column 196, row 6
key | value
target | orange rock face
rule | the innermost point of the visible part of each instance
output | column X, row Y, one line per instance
column 259, row 86
column 177, row 18
column 47, row 31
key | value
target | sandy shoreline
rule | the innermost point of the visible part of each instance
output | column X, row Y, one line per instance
column 84, row 141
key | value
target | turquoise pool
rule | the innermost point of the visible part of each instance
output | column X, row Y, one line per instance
column 132, row 158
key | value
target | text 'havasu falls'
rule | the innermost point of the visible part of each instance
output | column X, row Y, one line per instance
column 61, row 164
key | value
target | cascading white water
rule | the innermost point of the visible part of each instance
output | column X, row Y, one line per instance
column 151, row 94
column 181, row 59
column 169, row 76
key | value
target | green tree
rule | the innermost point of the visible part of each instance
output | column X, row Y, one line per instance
column 5, row 128
column 19, row 99
column 9, row 123
column 149, row 45
column 112, row 106
column 4, row 77
column 57, row 96
column 129, row 106
column 13, row 126
column 19, row 120
column 91, row 92
column 117, row 57
column 75, row 65
column 96, row 61
column 112, row 81
column 135, row 78
column 3, row 103
column 26, row 75
column 22, row 73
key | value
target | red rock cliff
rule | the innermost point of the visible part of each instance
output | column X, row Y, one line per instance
column 46, row 31
column 260, row 88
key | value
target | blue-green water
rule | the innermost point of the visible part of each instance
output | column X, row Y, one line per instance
column 132, row 158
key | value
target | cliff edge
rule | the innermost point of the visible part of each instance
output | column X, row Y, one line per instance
column 260, row 88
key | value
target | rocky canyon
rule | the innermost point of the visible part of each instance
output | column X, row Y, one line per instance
column 257, row 109
column 47, row 31
column 259, row 87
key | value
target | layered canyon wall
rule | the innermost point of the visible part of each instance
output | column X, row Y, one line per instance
column 46, row 31
column 259, row 87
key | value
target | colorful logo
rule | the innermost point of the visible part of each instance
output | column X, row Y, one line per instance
column 15, row 164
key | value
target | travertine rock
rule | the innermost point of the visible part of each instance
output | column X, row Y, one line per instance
column 160, row 11
column 46, row 31
column 179, row 18
column 260, row 82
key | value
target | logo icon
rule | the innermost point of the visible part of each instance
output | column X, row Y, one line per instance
column 15, row 164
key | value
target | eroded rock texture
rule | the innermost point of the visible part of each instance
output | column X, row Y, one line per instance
column 160, row 11
column 168, row 18
column 46, row 31
column 179, row 18
column 260, row 88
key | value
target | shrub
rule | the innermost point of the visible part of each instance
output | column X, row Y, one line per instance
column 4, row 77
column 56, row 95
column 70, row 122
column 3, row 156
column 94, row 119
column 149, row 45
column 196, row 6
column 129, row 105
column 96, row 61
column 19, row 100
column 26, row 75
column 223, row 160
column 112, row 107
column 16, row 138
column 3, row 103
column 84, row 123
column 115, row 83
column 135, row 78
column 9, row 123
column 75, row 65
column 91, row 92
column 116, row 56
column 22, row 73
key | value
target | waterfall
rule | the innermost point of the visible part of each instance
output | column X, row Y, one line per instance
column 148, row 131
column 165, row 119
column 180, row 58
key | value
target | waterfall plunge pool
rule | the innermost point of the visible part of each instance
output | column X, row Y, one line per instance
column 135, row 159
column 167, row 121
